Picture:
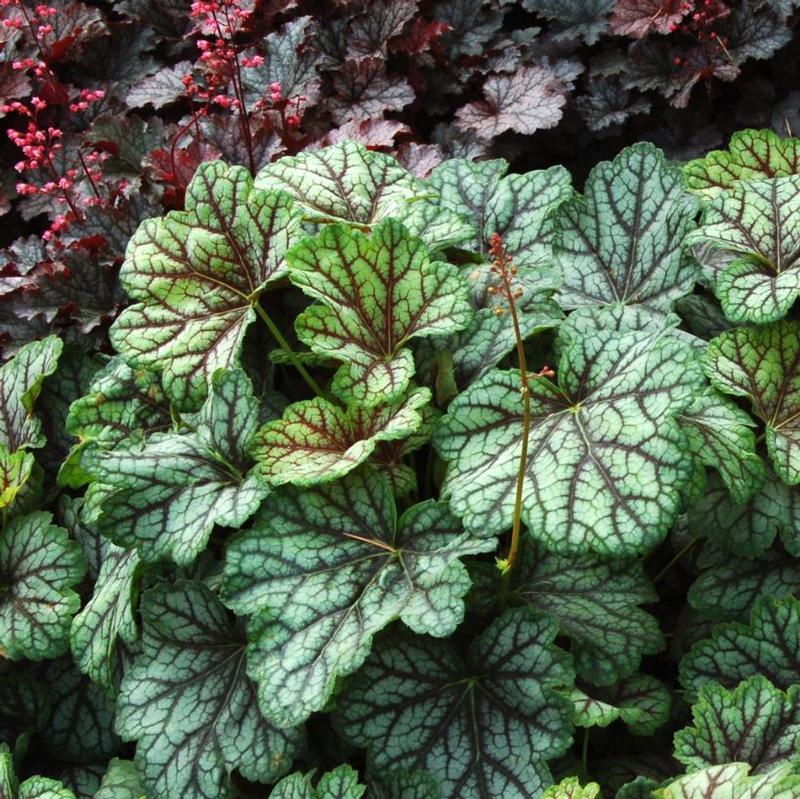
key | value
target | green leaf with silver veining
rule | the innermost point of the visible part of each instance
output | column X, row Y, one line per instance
column 120, row 782
column 606, row 460
column 751, row 154
column 769, row 645
column 729, row 587
column 120, row 401
column 348, row 183
column 749, row 247
column 109, row 616
column 748, row 528
column 21, row 381
column 596, row 604
column 489, row 335
column 482, row 723
column 316, row 441
column 763, row 365
column 43, row 788
column 518, row 207
column 341, row 783
column 731, row 781
column 640, row 701
column 39, row 565
column 720, row 435
column 622, row 241
column 189, row 704
column 755, row 723
column 375, row 294
column 196, row 275
column 81, row 728
column 326, row 569
column 163, row 496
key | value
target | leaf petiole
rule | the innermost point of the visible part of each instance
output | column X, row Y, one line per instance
column 292, row 355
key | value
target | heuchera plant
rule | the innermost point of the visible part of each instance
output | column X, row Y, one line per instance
column 400, row 487
column 108, row 109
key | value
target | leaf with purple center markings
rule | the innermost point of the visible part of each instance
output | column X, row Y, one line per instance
column 375, row 294
column 749, row 245
column 763, row 365
column 751, row 154
column 317, row 441
column 197, row 275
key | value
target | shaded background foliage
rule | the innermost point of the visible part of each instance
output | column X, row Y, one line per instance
column 133, row 95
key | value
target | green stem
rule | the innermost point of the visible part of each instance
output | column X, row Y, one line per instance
column 292, row 355
column 585, row 754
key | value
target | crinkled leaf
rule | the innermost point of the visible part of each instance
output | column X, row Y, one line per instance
column 329, row 567
column 189, row 704
column 38, row 567
column 584, row 19
column 164, row 496
column 316, row 441
column 763, row 364
column 81, row 726
column 375, row 293
column 164, row 87
column 518, row 207
column 341, row 783
column 730, row 587
column 748, row 528
column 596, row 604
column 482, row 724
column 749, row 246
column 107, row 617
column 768, row 645
column 371, row 30
column 20, row 384
column 622, row 241
column 721, row 437
column 731, row 781
column 288, row 60
column 638, row 18
column 364, row 89
column 641, row 702
column 606, row 461
column 755, row 723
column 607, row 104
column 530, row 99
column 346, row 182
column 751, row 154
column 120, row 401
column 343, row 183
column 197, row 274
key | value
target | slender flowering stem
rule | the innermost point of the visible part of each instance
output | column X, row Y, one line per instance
column 506, row 271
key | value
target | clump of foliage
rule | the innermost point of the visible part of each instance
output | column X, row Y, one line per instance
column 110, row 108
column 400, row 487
